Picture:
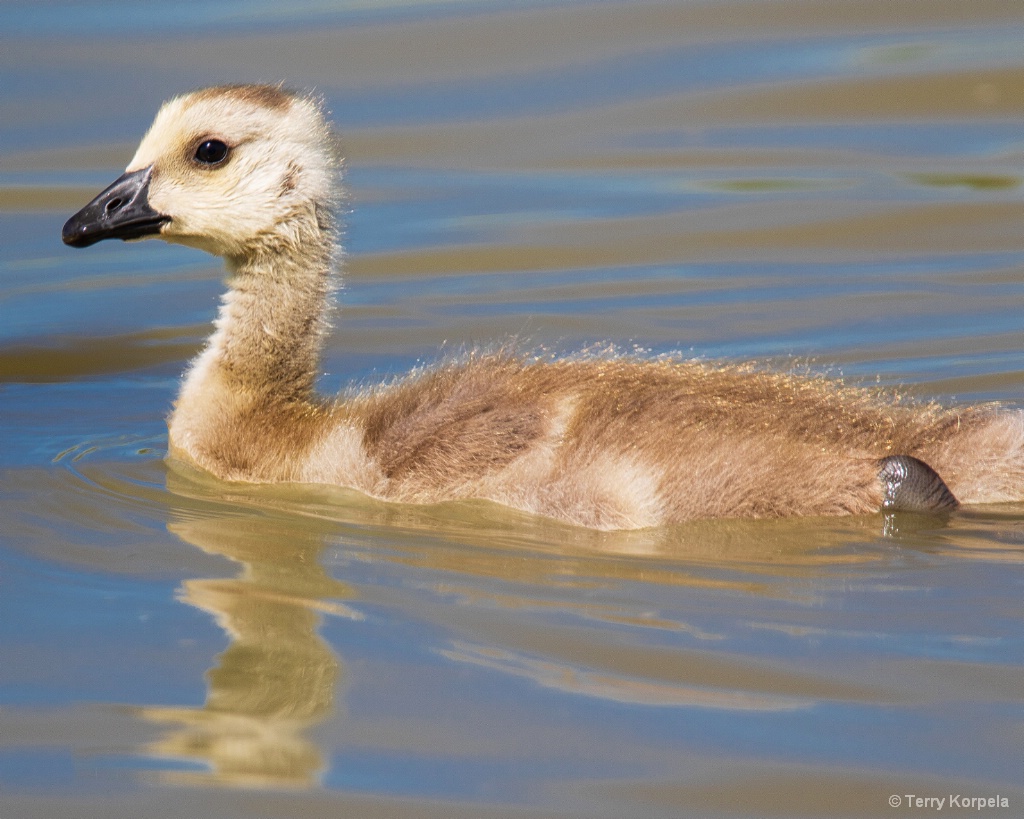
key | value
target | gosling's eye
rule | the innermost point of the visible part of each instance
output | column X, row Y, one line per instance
column 211, row 152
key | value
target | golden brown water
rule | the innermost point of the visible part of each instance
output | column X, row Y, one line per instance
column 836, row 184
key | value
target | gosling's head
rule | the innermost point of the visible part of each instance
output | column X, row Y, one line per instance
column 228, row 169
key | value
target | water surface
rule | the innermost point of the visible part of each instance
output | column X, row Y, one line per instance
column 834, row 187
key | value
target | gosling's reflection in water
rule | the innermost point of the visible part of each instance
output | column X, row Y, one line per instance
column 277, row 678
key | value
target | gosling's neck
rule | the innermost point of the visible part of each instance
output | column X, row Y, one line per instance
column 270, row 329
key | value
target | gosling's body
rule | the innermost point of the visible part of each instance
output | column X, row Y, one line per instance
column 601, row 442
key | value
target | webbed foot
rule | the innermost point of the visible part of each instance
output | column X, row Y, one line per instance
column 913, row 486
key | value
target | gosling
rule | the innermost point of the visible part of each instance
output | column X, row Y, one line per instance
column 250, row 173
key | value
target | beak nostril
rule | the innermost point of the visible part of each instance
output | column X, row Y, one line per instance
column 120, row 211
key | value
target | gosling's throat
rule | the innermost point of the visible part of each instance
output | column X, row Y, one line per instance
column 273, row 319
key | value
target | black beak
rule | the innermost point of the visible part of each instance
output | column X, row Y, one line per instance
column 122, row 211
